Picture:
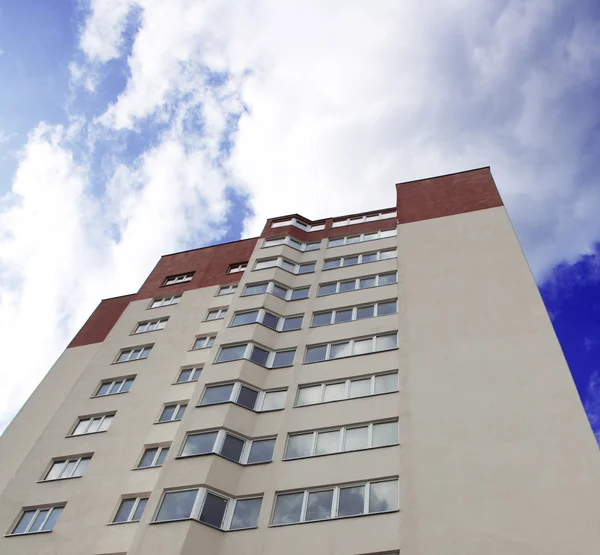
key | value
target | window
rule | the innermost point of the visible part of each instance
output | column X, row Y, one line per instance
column 112, row 387
column 335, row 502
column 268, row 319
column 351, row 347
column 182, row 278
column 165, row 301
column 135, row 353
column 241, row 394
column 339, row 440
column 172, row 413
column 189, row 374
column 352, row 260
column 348, row 314
column 350, row 240
column 216, row 314
column 230, row 446
column 130, row 509
column 93, row 424
column 299, row 224
column 355, row 284
column 275, row 289
column 39, row 519
column 375, row 384
column 364, row 219
column 235, row 268
column 227, row 289
column 153, row 456
column 256, row 354
column 285, row 264
column 204, row 342
column 209, row 508
column 152, row 325
column 73, row 467
column 290, row 242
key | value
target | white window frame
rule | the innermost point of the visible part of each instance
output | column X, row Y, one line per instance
column 38, row 510
column 299, row 224
column 354, row 310
column 342, row 439
column 235, row 268
column 140, row 349
column 201, row 493
column 333, row 514
column 193, row 370
column 279, row 263
column 179, row 278
column 248, row 352
column 347, row 386
column 235, row 393
column 373, row 217
column 357, row 283
column 101, row 417
column 362, row 237
column 292, row 243
column 261, row 312
column 220, row 314
column 65, row 463
column 159, row 450
column 165, row 301
column 360, row 257
column 178, row 407
column 148, row 326
column 271, row 288
column 207, row 342
column 134, row 508
column 115, row 388
column 227, row 289
column 351, row 342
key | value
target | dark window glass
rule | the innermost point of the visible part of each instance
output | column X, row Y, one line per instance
column 103, row 389
column 386, row 279
column 322, row 319
column 217, row 394
column 288, row 508
column 245, row 514
column 245, row 318
column 306, row 268
column 256, row 289
column 184, row 376
column 177, row 505
column 213, row 510
column 23, row 522
column 347, row 286
column 283, row 358
column 279, row 291
column 367, row 282
column 126, row 385
column 148, row 457
column 333, row 263
column 294, row 323
column 301, row 293
column 365, row 312
column 199, row 444
column 162, row 456
column 261, row 451
column 314, row 354
column 259, row 356
column 386, row 308
column 124, row 510
column 232, row 448
column 49, row 524
column 327, row 289
column 231, row 353
column 352, row 501
column 350, row 260
column 371, row 257
column 343, row 316
column 319, row 505
column 270, row 320
column 139, row 510
column 247, row 397
column 167, row 413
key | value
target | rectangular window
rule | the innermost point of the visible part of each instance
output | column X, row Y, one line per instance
column 135, row 353
column 241, row 394
column 204, row 342
column 73, row 467
column 151, row 325
column 339, row 440
column 351, row 347
column 351, row 388
column 227, row 289
column 213, row 509
column 363, row 258
column 275, row 289
column 172, row 413
column 256, row 354
column 37, row 519
column 181, row 278
column 363, row 219
column 189, row 374
column 335, row 502
column 93, row 424
column 350, row 240
column 235, row 268
column 153, row 456
column 236, row 448
column 347, row 314
column 285, row 264
column 165, row 301
column 112, row 387
column 355, row 284
column 290, row 242
column 216, row 314
column 268, row 319
column 299, row 224
column 130, row 509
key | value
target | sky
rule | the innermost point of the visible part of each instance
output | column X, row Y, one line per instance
column 134, row 128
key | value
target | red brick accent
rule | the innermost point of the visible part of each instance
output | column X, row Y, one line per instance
column 101, row 321
column 446, row 195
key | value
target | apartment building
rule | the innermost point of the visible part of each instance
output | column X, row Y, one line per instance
column 378, row 383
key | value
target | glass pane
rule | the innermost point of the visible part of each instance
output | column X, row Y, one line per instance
column 336, row 242
column 334, row 391
column 273, row 400
column 301, row 293
column 126, row 385
column 247, row 397
column 363, row 346
column 327, row 289
column 385, row 433
column 384, row 255
column 123, row 356
column 83, row 463
column 199, row 343
column 360, row 388
column 352, row 501
column 261, row 451
column 231, row 353
column 54, row 472
column 262, row 264
column 217, row 394
column 81, row 427
column 213, row 510
column 386, row 308
column 288, row 508
column 245, row 514
column 148, row 457
column 124, row 510
column 383, row 497
column 333, row 263
column 167, row 413
column 145, row 352
column 69, row 468
column 199, row 444
column 179, row 413
column 356, row 438
column 299, row 446
column 232, row 448
column 314, row 354
column 115, row 387
column 245, row 318
column 270, row 320
column 309, row 395
column 321, row 319
column 196, row 374
column 386, row 383
column 339, row 350
column 162, row 456
column 283, row 358
column 354, row 239
column 212, row 315
column 279, row 291
column 343, row 316
column 370, row 236
column 50, row 523
column 318, row 506
column 103, row 389
column 365, row 312
column 370, row 257
column 367, row 282
column 210, row 341
column 328, row 442
column 23, row 522
column 347, row 286
column 184, row 376
column 287, row 265
column 259, row 356
column 306, row 268
column 94, row 425
column 256, row 289
column 350, row 260
column 139, row 510
column 176, row 505
column 294, row 323
column 387, row 342
column 39, row 520
column 388, row 233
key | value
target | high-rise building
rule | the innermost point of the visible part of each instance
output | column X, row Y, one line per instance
column 378, row 383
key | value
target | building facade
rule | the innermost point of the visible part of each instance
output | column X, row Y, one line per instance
column 380, row 383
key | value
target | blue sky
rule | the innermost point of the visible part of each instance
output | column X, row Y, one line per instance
column 133, row 128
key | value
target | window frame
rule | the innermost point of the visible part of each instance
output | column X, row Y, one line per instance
column 158, row 322
column 357, row 281
column 362, row 237
column 261, row 312
column 38, row 509
column 249, row 349
column 122, row 380
column 279, row 260
column 221, row 312
column 289, row 241
column 172, row 300
column 360, row 259
column 354, row 309
column 208, row 342
column 102, row 417
column 178, row 406
column 193, row 370
column 372, row 217
column 230, row 289
column 65, row 463
column 351, row 342
column 159, row 450
column 271, row 287
column 296, row 222
column 142, row 348
column 235, row 392
column 237, row 268
column 138, row 499
column 178, row 278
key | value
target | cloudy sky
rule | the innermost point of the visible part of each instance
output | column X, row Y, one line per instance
column 130, row 129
